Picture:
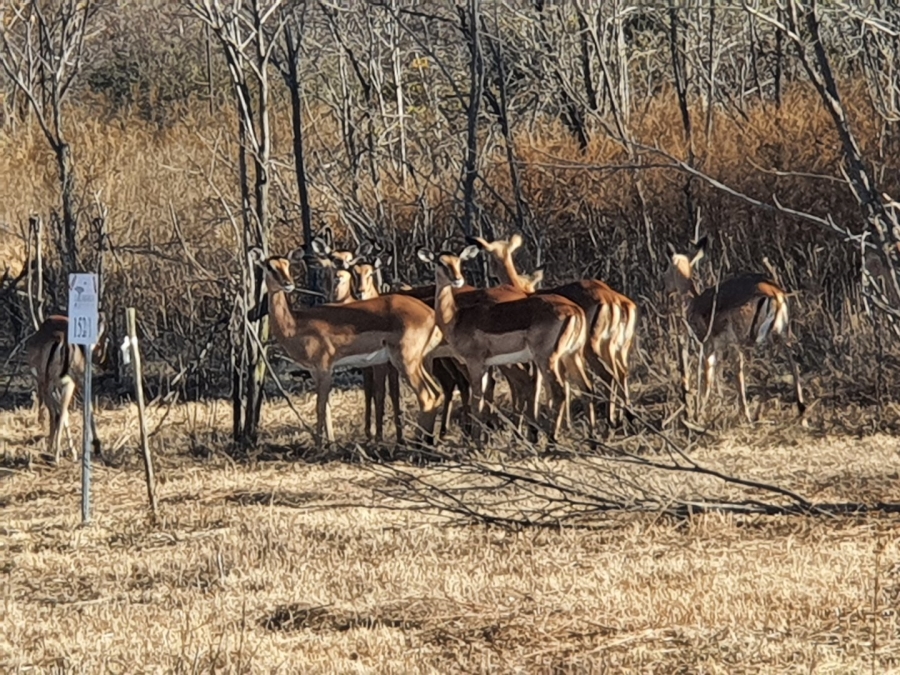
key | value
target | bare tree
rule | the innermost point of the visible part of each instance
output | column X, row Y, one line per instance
column 42, row 48
column 247, row 32
column 803, row 28
column 287, row 59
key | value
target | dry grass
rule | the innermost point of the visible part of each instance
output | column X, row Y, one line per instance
column 286, row 565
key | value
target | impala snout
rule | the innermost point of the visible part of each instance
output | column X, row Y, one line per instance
column 288, row 288
column 457, row 283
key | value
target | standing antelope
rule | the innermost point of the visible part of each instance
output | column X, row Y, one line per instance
column 58, row 369
column 739, row 312
column 547, row 330
column 391, row 328
column 365, row 286
column 611, row 316
column 339, row 283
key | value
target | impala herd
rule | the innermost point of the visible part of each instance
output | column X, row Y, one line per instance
column 446, row 336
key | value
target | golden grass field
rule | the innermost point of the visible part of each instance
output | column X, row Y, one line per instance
column 278, row 564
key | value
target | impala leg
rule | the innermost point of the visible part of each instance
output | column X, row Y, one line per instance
column 709, row 378
column 576, row 374
column 412, row 368
column 489, row 384
column 536, row 406
column 558, row 397
column 609, row 360
column 393, row 379
column 603, row 372
column 95, row 439
column 520, row 386
column 465, row 397
column 323, row 411
column 53, row 439
column 66, row 395
column 795, row 373
column 742, row 386
column 429, row 400
column 440, row 369
column 476, row 398
column 378, row 375
column 369, row 396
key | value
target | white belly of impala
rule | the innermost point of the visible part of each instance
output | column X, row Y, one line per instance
column 523, row 356
column 363, row 360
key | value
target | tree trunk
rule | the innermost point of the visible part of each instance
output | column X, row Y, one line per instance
column 292, row 79
column 69, row 222
column 470, row 18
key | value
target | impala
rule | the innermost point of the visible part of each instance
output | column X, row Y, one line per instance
column 339, row 284
column 547, row 330
column 739, row 312
column 389, row 329
column 611, row 317
column 58, row 369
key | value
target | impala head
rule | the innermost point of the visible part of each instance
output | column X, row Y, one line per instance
column 532, row 282
column 679, row 277
column 277, row 268
column 327, row 257
column 343, row 286
column 501, row 250
column 101, row 348
column 447, row 266
column 367, row 280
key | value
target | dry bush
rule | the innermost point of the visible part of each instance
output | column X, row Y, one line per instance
column 586, row 214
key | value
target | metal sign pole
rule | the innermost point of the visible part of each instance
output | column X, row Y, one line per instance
column 86, row 448
column 84, row 331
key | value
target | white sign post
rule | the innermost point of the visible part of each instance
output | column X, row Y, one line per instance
column 84, row 326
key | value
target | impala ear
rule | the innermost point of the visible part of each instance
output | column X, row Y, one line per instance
column 377, row 264
column 670, row 249
column 478, row 241
column 515, row 242
column 298, row 255
column 365, row 249
column 537, row 277
column 327, row 236
column 256, row 255
column 320, row 247
column 469, row 252
column 425, row 255
column 701, row 250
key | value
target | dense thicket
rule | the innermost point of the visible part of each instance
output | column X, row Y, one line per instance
column 571, row 98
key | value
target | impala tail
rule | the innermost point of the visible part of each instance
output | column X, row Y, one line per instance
column 773, row 311
column 628, row 325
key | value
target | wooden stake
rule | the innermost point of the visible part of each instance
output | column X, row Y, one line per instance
column 139, row 395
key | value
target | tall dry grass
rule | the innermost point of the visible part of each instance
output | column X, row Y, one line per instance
column 279, row 565
column 149, row 173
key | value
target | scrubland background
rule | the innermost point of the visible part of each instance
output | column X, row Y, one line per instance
column 282, row 559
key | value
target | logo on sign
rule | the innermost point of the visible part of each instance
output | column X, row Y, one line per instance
column 83, row 309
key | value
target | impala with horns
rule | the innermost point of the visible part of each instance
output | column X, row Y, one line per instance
column 611, row 316
column 390, row 329
column 740, row 312
column 549, row 331
column 58, row 368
